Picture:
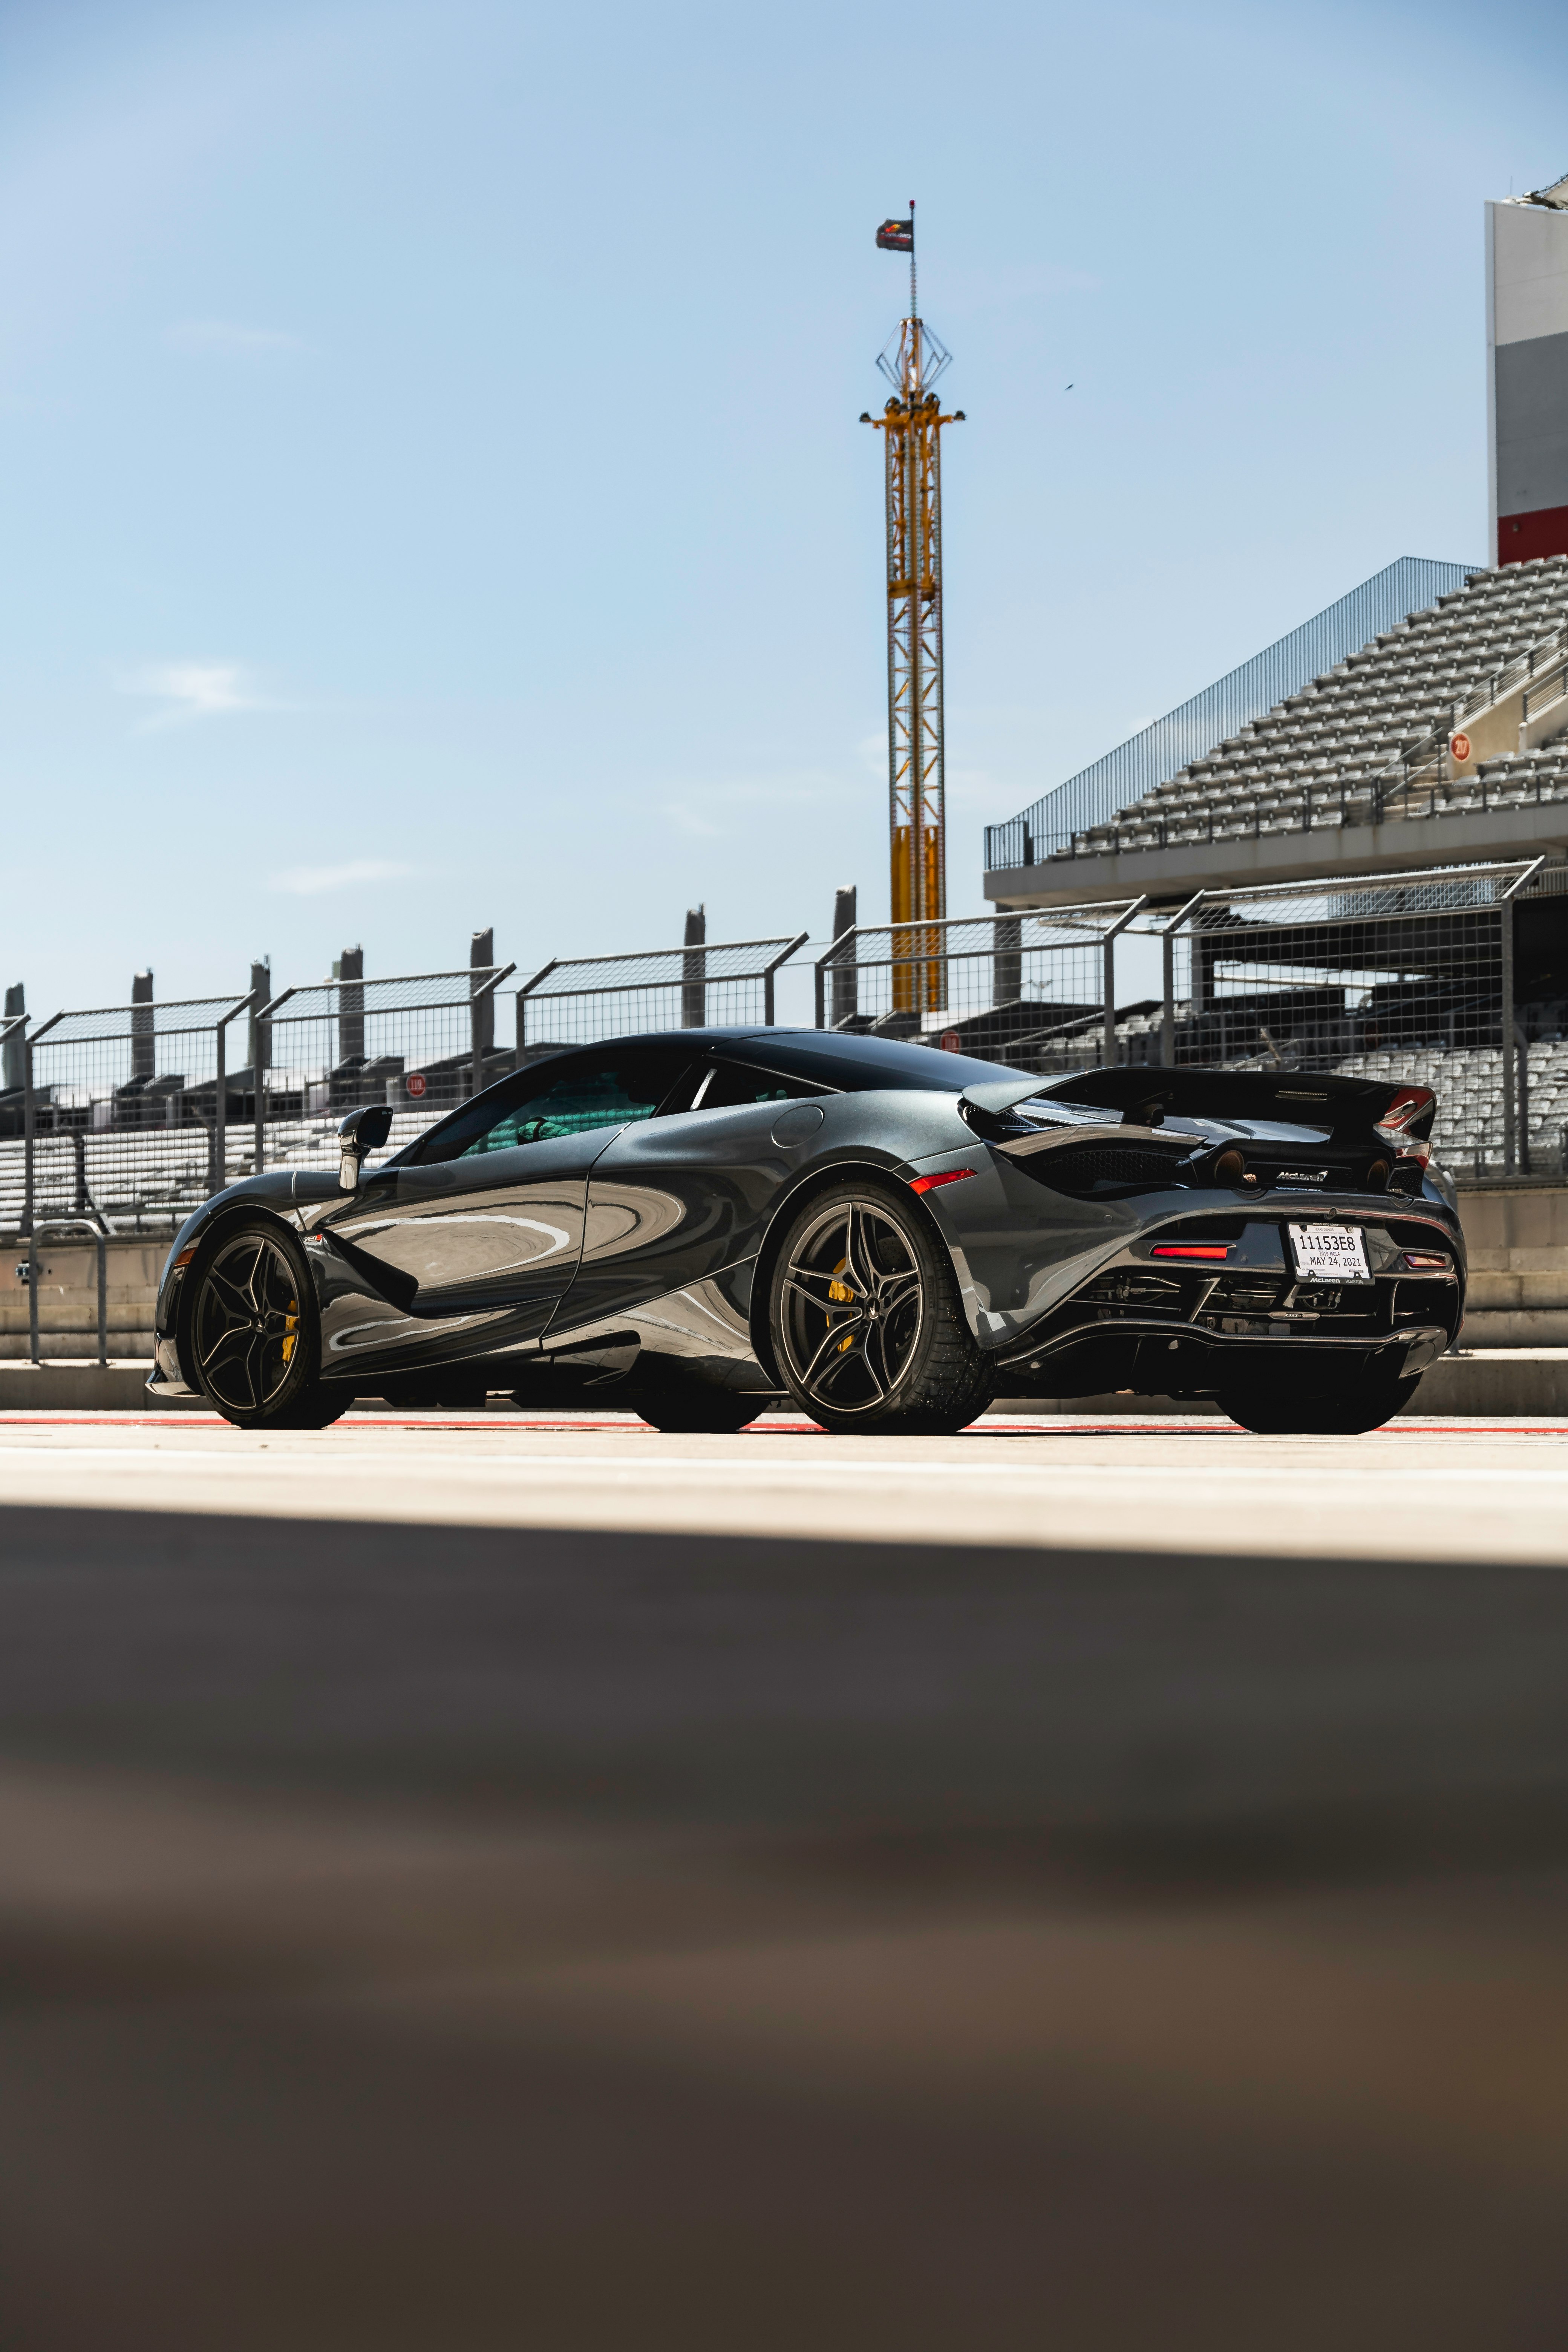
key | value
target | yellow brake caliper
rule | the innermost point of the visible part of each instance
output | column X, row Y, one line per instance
column 290, row 1329
column 842, row 1296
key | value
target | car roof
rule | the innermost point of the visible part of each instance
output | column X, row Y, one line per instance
column 837, row 1057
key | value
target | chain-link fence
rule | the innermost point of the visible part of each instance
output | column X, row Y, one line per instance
column 120, row 1122
column 121, row 1115
column 575, row 1001
column 421, row 1044
column 1036, row 990
column 1410, row 977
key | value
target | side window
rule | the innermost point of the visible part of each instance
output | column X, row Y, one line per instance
column 730, row 1085
column 568, row 1096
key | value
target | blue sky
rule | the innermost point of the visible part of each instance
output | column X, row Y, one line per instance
column 432, row 490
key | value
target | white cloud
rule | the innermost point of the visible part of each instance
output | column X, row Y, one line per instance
column 188, row 691
column 230, row 335
column 311, row 881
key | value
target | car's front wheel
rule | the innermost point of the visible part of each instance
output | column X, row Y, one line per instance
column 253, row 1333
column 867, row 1324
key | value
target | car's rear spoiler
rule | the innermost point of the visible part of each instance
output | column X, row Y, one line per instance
column 1347, row 1106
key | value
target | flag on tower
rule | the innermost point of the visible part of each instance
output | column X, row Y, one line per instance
column 897, row 236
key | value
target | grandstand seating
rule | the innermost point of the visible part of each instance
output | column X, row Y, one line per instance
column 1331, row 755
column 149, row 1179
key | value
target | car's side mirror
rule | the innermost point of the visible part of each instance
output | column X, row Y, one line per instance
column 362, row 1130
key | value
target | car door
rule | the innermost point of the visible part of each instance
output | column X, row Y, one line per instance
column 482, row 1228
column 673, row 1203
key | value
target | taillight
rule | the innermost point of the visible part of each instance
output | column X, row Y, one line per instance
column 1190, row 1249
column 929, row 1183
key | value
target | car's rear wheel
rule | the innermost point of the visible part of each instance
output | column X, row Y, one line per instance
column 1299, row 1409
column 254, row 1336
column 867, row 1324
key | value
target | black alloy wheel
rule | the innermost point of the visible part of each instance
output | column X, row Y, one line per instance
column 867, row 1330
column 254, row 1337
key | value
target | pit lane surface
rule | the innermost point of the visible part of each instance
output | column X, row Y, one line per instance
column 1448, row 1490
column 470, row 1882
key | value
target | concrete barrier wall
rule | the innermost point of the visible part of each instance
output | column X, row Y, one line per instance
column 1517, row 1237
column 67, row 1297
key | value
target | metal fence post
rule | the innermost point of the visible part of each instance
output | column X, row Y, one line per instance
column 102, row 1299
column 258, row 1061
column 33, row 1295
column 29, row 1128
column 694, row 971
column 218, row 1173
column 523, row 993
column 263, row 1063
column 1007, row 960
column 769, row 967
column 1177, row 923
column 846, row 1000
column 1522, row 1042
column 1109, row 1007
column 482, row 1013
column 1509, row 1130
column 220, row 1111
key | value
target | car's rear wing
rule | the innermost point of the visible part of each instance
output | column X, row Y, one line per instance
column 1349, row 1108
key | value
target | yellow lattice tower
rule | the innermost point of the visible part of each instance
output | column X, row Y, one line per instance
column 911, row 426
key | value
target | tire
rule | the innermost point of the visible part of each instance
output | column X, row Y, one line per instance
column 693, row 1407
column 1361, row 1405
column 867, row 1324
column 254, row 1335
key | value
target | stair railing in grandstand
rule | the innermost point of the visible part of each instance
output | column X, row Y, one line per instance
column 1431, row 756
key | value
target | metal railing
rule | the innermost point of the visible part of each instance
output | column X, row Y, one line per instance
column 1431, row 757
column 421, row 1043
column 119, row 1103
column 125, row 1119
column 1034, row 985
column 1404, row 975
column 575, row 1001
column 1112, row 783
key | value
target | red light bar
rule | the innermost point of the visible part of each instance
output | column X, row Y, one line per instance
column 929, row 1183
column 1190, row 1249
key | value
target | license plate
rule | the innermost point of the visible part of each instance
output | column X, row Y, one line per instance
column 1329, row 1252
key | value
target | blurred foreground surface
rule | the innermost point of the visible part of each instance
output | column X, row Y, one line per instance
column 786, row 1903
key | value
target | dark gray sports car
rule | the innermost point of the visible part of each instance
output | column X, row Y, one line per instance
column 697, row 1223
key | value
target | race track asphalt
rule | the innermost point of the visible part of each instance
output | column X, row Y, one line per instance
column 479, row 1883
